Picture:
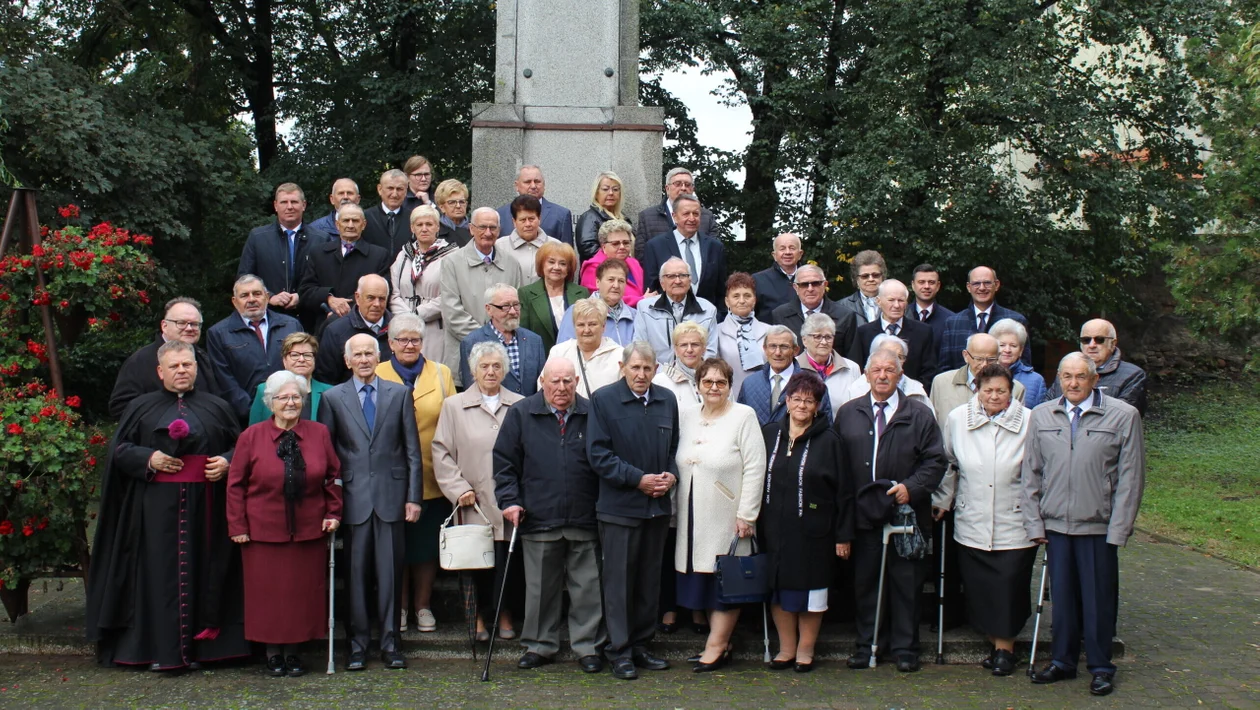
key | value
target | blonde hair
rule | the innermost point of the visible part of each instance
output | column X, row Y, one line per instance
column 609, row 175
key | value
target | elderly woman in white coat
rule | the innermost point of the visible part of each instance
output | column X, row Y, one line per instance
column 818, row 335
column 415, row 278
column 741, row 335
column 984, row 440
column 596, row 358
column 721, row 471
column 463, row 465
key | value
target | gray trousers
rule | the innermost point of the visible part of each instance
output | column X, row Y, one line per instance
column 375, row 549
column 632, row 582
column 556, row 560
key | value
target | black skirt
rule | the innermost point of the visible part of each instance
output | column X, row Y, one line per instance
column 997, row 588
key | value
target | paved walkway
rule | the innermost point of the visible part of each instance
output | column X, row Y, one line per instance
column 1191, row 626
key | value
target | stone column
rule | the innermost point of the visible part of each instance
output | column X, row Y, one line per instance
column 566, row 99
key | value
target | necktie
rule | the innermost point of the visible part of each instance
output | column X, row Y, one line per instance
column 644, row 400
column 973, row 384
column 369, row 407
column 487, row 260
column 560, row 418
column 1076, row 421
column 880, row 421
column 776, row 391
column 811, row 312
column 376, row 328
column 257, row 326
column 983, row 322
column 690, row 256
column 893, row 328
column 292, row 235
column 347, row 247
column 389, row 225
column 923, row 315
column 678, row 310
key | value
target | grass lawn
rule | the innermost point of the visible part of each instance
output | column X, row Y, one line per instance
column 1203, row 469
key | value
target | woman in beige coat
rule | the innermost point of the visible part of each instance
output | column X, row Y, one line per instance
column 415, row 279
column 463, row 465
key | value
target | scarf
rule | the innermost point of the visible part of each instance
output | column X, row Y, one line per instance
column 294, row 475
column 824, row 370
column 421, row 260
column 408, row 374
column 748, row 349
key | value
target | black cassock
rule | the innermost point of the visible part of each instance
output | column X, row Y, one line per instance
column 165, row 582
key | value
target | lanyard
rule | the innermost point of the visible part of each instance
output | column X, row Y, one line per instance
column 800, row 477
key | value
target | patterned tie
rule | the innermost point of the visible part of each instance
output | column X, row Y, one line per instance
column 923, row 315
column 369, row 407
column 984, row 323
column 880, row 421
column 1076, row 421
column 776, row 391
column 257, row 326
column 560, row 418
column 487, row 260
column 346, row 248
column 389, row 225
column 893, row 328
column 691, row 261
column 292, row 235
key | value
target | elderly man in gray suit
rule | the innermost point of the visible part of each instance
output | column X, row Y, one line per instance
column 373, row 427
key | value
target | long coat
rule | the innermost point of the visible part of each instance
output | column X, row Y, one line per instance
column 431, row 389
column 800, row 530
column 462, row 294
column 536, row 314
column 920, row 364
column 138, row 376
column 463, row 450
column 420, row 296
column 255, row 485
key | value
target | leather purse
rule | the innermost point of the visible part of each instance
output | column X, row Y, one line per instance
column 743, row 580
column 466, row 546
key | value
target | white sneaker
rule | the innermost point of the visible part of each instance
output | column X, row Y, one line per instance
column 402, row 626
column 425, row 621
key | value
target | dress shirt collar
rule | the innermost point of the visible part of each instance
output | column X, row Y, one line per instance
column 893, row 401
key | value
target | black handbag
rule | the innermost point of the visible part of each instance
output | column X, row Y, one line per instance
column 743, row 580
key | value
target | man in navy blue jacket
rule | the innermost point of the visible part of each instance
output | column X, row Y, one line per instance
column 276, row 252
column 983, row 285
column 245, row 347
column 926, row 283
column 557, row 221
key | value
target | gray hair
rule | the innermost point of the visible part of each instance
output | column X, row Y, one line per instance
column 347, row 351
column 246, row 279
column 484, row 349
column 490, row 210
column 813, row 267
column 352, row 182
column 406, row 323
column 489, row 293
column 391, row 174
column 686, row 197
column 780, row 330
column 176, row 346
column 972, row 338
column 350, row 206
column 1010, row 326
column 424, row 211
column 280, row 379
column 891, row 283
column 590, row 306
column 528, row 166
column 884, row 339
column 661, row 274
column 642, row 348
column 819, row 322
column 367, row 279
column 1077, row 355
column 775, row 242
column 879, row 355
column 675, row 172
column 615, row 225
column 1111, row 328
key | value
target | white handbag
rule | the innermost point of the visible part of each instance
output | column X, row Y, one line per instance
column 467, row 546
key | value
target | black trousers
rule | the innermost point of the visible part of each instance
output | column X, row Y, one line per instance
column 631, row 584
column 899, row 627
column 955, row 603
column 1085, row 577
column 376, row 551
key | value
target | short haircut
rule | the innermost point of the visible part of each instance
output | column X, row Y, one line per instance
column 775, row 242
column 1111, row 328
column 290, row 187
column 925, row 268
column 280, row 379
column 425, row 211
column 1010, row 326
column 661, row 274
column 780, row 329
column 555, row 247
column 741, row 279
column 971, row 338
column 608, row 175
column 715, row 363
column 882, row 355
column 816, row 323
column 178, row 300
column 448, row 189
column 346, row 206
column 526, row 203
column 1074, row 355
column 486, row 211
column 406, row 323
column 352, row 182
column 690, row 327
column 295, row 339
column 811, row 267
column 675, row 172
column 892, row 283
column 588, row 307
column 414, row 163
column 528, row 166
column 884, row 341
column 614, row 225
column 484, row 349
column 868, row 257
column 348, row 350
column 642, row 348
column 247, row 279
column 806, row 382
column 982, row 266
column 489, row 293
column 368, row 279
column 685, row 197
column 994, row 370
column 176, row 346
column 393, row 174
column 612, row 263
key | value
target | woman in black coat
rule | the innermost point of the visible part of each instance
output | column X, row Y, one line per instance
column 803, row 531
column 605, row 205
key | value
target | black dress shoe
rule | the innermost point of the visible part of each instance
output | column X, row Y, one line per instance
column 648, row 662
column 720, row 663
column 393, row 660
column 194, row 666
column 858, row 661
column 591, row 664
column 293, row 666
column 1052, row 674
column 275, row 666
column 532, row 660
column 623, row 669
column 803, row 667
column 987, row 663
column 665, row 628
column 357, row 661
column 1102, row 684
column 1003, row 662
column 777, row 665
column 695, row 658
column 908, row 664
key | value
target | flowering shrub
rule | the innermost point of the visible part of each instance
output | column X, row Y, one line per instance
column 48, row 461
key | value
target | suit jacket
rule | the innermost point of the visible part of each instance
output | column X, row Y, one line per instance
column 536, row 313
column 756, row 393
column 961, row 325
column 556, row 221
column 328, row 273
column 712, row 286
column 255, row 485
column 330, row 363
column 774, row 289
column 461, row 294
column 920, row 363
column 266, row 255
column 657, row 220
column 240, row 363
column 377, row 230
column 853, row 304
column 936, row 320
column 381, row 468
column 533, row 357
column 791, row 315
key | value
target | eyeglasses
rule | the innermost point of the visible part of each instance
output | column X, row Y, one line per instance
column 486, row 227
column 778, row 347
column 877, row 275
column 810, row 284
column 676, row 277
column 714, row 384
column 407, row 342
column 419, row 174
column 184, row 324
column 295, row 398
column 984, row 360
column 981, row 284
column 1095, row 339
column 821, row 337
column 802, row 401
column 618, row 242
column 457, row 202
column 507, row 306
column 300, row 356
column 682, row 183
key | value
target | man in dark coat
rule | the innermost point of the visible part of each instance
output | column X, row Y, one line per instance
column 920, row 362
column 774, row 285
column 556, row 221
column 704, row 255
column 1116, row 378
column 333, row 269
column 370, row 315
column 888, row 437
column 181, row 320
column 245, row 347
column 545, row 486
column 926, row 282
column 389, row 222
column 344, row 191
column 659, row 219
column 165, row 589
column 811, row 297
column 276, row 252
column 977, row 317
column 632, row 438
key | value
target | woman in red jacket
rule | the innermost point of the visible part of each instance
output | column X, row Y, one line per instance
column 282, row 499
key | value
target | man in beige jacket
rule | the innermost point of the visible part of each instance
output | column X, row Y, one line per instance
column 955, row 387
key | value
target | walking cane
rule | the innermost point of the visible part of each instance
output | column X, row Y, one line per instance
column 889, row 531
column 765, row 629
column 1041, row 598
column 498, row 609
column 332, row 568
column 940, row 597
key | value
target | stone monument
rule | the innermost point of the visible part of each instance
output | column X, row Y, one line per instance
column 566, row 99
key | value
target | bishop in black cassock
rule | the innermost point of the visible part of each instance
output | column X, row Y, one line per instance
column 164, row 589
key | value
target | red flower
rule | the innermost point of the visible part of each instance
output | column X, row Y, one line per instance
column 4, row 296
column 6, row 527
column 47, row 412
column 69, row 211
column 43, row 523
column 144, row 296
column 34, row 419
column 15, row 429
column 73, row 401
column 27, row 530
column 37, row 250
column 64, row 305
column 91, row 460
column 96, row 439
column 115, row 316
column 19, row 483
column 107, row 259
